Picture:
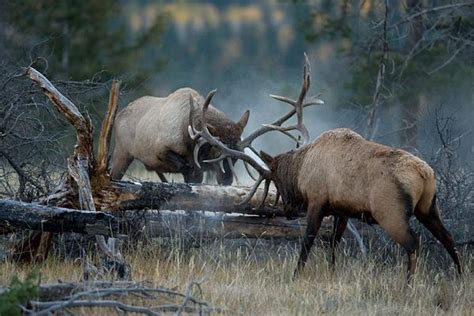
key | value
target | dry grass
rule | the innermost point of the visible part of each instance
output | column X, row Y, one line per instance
column 256, row 280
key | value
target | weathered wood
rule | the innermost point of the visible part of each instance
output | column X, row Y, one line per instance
column 59, row 298
column 65, row 106
column 199, row 225
column 79, row 170
column 81, row 164
column 183, row 196
column 106, row 130
column 206, row 225
column 56, row 219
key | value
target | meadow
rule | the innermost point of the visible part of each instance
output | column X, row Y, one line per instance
column 255, row 278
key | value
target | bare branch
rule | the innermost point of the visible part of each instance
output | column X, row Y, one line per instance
column 371, row 122
column 106, row 130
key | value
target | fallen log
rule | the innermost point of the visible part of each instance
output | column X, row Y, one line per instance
column 33, row 216
column 207, row 225
column 184, row 196
column 200, row 225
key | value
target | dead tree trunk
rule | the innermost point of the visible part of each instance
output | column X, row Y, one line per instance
column 82, row 168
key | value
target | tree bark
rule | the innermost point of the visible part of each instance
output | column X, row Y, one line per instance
column 56, row 219
column 199, row 225
column 83, row 170
column 183, row 196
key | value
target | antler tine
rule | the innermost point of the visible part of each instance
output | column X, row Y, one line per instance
column 248, row 197
column 205, row 106
column 298, row 105
column 249, row 172
column 193, row 133
column 265, row 194
column 206, row 137
column 313, row 101
column 232, row 169
column 197, row 147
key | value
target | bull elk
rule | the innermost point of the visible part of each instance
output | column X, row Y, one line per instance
column 342, row 174
column 154, row 131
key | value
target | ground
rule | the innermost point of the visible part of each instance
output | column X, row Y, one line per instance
column 254, row 278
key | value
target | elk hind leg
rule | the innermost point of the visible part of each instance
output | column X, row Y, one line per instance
column 432, row 221
column 399, row 230
column 314, row 220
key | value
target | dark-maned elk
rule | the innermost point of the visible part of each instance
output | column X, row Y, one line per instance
column 342, row 174
column 154, row 131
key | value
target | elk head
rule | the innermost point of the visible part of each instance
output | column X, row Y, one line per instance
column 223, row 129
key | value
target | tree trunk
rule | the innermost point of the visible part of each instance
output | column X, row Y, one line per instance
column 411, row 106
column 56, row 219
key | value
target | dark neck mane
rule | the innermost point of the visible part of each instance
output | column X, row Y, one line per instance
column 289, row 166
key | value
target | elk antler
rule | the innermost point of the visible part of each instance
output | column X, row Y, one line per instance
column 246, row 152
column 299, row 105
column 297, row 108
column 204, row 136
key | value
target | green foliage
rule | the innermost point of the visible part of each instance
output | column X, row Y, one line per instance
column 425, row 61
column 82, row 38
column 19, row 292
column 331, row 27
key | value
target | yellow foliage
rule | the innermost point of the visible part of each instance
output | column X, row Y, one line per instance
column 285, row 36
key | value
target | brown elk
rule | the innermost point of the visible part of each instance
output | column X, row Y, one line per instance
column 154, row 131
column 342, row 174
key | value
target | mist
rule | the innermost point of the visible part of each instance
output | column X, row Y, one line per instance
column 249, row 50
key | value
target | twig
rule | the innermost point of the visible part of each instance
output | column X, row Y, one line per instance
column 380, row 80
column 430, row 10
column 187, row 297
column 357, row 236
column 54, row 298
column 59, row 305
column 448, row 61
column 21, row 173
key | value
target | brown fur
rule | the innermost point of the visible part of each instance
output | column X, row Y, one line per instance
column 154, row 130
column 340, row 173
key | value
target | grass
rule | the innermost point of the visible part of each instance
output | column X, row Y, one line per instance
column 256, row 280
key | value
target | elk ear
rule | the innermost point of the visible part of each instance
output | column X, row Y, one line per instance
column 266, row 157
column 244, row 120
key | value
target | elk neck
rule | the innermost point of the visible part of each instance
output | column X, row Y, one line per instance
column 285, row 174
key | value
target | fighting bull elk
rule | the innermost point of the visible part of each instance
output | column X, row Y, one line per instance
column 342, row 174
column 154, row 131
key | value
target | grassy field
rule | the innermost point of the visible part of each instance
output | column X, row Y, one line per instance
column 256, row 280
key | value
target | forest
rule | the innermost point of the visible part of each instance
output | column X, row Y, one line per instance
column 182, row 157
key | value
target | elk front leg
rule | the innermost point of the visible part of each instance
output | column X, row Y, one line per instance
column 193, row 175
column 314, row 220
column 340, row 224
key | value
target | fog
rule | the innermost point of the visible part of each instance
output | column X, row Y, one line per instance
column 248, row 50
